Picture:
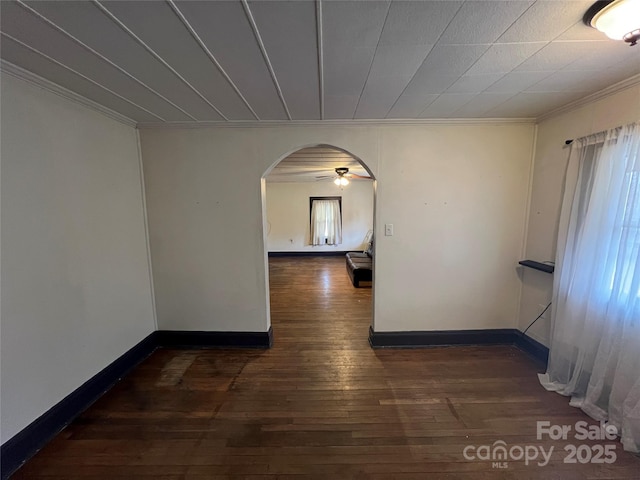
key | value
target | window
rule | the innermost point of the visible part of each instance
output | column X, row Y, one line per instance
column 602, row 252
column 596, row 335
column 627, row 235
column 326, row 220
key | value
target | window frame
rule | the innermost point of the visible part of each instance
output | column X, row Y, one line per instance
column 312, row 199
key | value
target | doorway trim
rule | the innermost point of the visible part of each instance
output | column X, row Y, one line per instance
column 263, row 198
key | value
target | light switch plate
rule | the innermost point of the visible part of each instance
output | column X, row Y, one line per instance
column 388, row 229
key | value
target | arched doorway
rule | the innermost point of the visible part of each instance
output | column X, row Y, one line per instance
column 304, row 266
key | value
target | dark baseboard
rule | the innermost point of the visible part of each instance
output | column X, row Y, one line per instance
column 28, row 441
column 188, row 339
column 22, row 446
column 32, row 438
column 534, row 348
column 310, row 253
column 440, row 337
column 421, row 339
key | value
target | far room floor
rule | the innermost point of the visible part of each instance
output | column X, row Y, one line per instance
column 321, row 404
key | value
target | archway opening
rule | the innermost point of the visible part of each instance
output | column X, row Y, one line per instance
column 318, row 205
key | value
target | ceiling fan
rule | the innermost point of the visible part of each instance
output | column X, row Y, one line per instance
column 343, row 176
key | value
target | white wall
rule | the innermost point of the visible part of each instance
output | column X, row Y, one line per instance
column 288, row 214
column 456, row 194
column 76, row 291
column 551, row 157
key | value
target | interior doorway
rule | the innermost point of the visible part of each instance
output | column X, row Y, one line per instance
column 318, row 203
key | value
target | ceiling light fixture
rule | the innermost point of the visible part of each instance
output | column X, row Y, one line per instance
column 617, row 19
column 341, row 180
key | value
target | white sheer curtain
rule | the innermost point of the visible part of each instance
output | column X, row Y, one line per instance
column 595, row 344
column 326, row 224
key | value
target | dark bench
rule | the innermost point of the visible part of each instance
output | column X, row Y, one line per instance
column 360, row 266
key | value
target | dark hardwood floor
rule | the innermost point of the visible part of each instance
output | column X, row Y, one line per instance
column 320, row 404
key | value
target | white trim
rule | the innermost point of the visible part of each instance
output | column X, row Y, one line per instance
column 527, row 212
column 81, row 75
column 100, row 56
column 320, row 41
column 27, row 76
column 30, row 77
column 527, row 218
column 373, row 58
column 342, row 123
column 209, row 54
column 117, row 21
column 265, row 55
column 604, row 93
column 146, row 230
column 19, row 72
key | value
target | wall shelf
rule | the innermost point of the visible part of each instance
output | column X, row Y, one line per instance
column 543, row 267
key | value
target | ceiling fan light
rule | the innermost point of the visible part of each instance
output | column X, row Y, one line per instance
column 619, row 20
column 341, row 181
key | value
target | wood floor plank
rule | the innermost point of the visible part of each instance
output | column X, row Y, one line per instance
column 320, row 404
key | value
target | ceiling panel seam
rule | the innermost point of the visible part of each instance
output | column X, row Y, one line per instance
column 373, row 57
column 514, row 22
column 462, row 75
column 542, row 79
column 118, row 22
column 320, row 56
column 51, row 59
column 520, row 69
column 478, row 59
column 464, row 104
column 553, row 40
column 504, row 101
column 424, row 60
column 211, row 56
column 265, row 55
column 99, row 55
column 496, row 42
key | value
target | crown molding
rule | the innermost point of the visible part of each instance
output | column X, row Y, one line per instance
column 21, row 73
column 338, row 123
column 599, row 95
column 48, row 85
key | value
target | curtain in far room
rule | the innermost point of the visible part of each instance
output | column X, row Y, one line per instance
column 326, row 222
column 595, row 342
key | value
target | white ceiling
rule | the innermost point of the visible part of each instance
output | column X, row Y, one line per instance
column 190, row 61
column 316, row 164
